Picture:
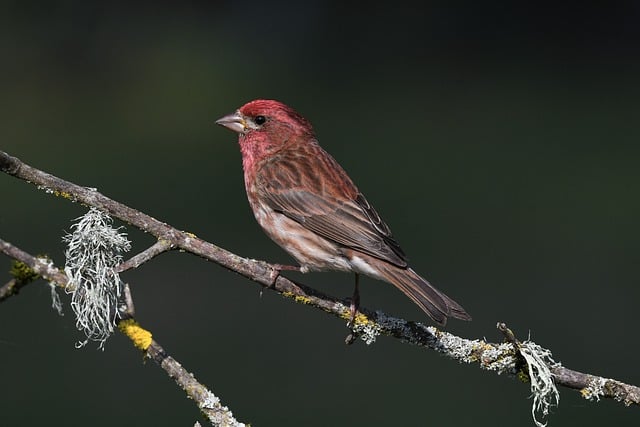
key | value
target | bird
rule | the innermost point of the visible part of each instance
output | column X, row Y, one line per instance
column 307, row 204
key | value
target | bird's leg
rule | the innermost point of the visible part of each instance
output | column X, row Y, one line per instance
column 353, row 308
column 277, row 268
column 355, row 302
column 281, row 267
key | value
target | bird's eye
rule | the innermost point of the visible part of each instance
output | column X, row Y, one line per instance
column 260, row 120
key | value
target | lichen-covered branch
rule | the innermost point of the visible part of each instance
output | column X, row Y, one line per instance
column 593, row 387
column 21, row 275
column 207, row 402
column 510, row 357
column 38, row 266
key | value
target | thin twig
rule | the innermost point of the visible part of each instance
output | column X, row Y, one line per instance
column 508, row 334
column 152, row 251
column 10, row 288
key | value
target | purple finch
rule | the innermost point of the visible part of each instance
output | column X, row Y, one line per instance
column 309, row 206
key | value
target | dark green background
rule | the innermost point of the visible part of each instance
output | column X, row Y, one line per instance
column 499, row 142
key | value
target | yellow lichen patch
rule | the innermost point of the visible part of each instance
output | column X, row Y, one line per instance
column 140, row 337
column 588, row 393
column 297, row 298
column 22, row 272
column 523, row 376
column 193, row 236
column 477, row 351
column 302, row 300
column 360, row 319
column 482, row 346
column 63, row 194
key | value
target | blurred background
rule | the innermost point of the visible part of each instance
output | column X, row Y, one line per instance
column 499, row 141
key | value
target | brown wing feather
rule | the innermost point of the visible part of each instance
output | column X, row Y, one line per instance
column 326, row 202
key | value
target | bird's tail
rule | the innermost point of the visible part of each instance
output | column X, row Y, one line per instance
column 433, row 302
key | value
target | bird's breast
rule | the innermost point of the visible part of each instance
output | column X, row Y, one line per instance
column 314, row 253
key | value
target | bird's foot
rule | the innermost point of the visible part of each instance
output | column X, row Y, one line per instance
column 355, row 303
column 353, row 309
column 351, row 324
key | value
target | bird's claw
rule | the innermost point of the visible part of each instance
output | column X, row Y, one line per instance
column 351, row 323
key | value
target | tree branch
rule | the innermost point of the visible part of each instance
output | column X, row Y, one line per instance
column 502, row 357
column 37, row 265
column 207, row 402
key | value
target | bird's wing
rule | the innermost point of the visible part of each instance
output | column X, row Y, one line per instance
column 326, row 202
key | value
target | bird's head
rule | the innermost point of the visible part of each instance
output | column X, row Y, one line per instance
column 265, row 127
column 267, row 117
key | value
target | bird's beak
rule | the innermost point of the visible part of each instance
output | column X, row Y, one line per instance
column 234, row 122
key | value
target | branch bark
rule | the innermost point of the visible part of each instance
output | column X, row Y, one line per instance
column 500, row 357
